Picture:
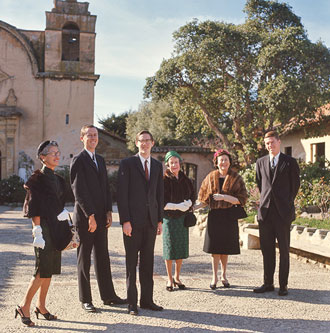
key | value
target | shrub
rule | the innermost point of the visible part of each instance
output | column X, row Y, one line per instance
column 12, row 190
column 314, row 185
column 249, row 177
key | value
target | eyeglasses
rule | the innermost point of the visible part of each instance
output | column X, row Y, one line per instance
column 145, row 141
column 55, row 153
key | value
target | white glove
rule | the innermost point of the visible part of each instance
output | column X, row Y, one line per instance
column 218, row 197
column 182, row 206
column 170, row 206
column 63, row 216
column 38, row 240
column 188, row 203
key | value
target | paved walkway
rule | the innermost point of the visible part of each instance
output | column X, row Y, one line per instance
column 197, row 309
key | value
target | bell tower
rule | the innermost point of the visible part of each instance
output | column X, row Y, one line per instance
column 68, row 74
column 70, row 40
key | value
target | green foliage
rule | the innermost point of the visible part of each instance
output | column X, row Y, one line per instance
column 113, row 183
column 314, row 187
column 11, row 190
column 249, row 176
column 115, row 124
column 157, row 117
column 64, row 171
column 313, row 223
column 239, row 81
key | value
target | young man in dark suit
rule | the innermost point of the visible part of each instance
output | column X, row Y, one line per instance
column 277, row 177
column 93, row 216
column 140, row 205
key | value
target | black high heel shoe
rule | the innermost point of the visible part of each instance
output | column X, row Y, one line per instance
column 225, row 283
column 169, row 288
column 25, row 320
column 47, row 315
column 179, row 285
column 213, row 286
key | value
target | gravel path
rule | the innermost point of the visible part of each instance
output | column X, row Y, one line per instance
column 197, row 309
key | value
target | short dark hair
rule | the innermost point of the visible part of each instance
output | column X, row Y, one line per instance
column 144, row 132
column 43, row 148
column 85, row 128
column 272, row 134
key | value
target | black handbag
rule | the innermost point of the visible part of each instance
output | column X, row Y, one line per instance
column 237, row 212
column 190, row 220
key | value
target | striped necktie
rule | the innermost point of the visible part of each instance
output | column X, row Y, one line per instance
column 146, row 169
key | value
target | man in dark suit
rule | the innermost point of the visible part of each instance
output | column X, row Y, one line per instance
column 93, row 216
column 140, row 206
column 277, row 177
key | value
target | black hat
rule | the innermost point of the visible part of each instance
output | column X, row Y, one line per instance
column 42, row 146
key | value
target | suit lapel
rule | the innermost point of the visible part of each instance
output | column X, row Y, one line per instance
column 267, row 168
column 280, row 166
column 153, row 170
column 90, row 161
column 139, row 166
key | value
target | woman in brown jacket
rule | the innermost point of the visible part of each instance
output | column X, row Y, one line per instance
column 220, row 190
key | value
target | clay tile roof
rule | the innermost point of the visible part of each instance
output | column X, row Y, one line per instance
column 320, row 114
column 181, row 149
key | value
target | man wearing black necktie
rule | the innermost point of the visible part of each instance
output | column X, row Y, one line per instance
column 93, row 216
column 140, row 205
column 277, row 177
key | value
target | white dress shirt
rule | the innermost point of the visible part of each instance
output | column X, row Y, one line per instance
column 93, row 157
column 275, row 158
column 142, row 159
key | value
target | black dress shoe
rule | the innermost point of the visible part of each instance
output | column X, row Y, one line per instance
column 151, row 306
column 115, row 301
column 132, row 310
column 89, row 307
column 264, row 288
column 283, row 291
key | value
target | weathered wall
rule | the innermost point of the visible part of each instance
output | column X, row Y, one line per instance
column 301, row 148
column 15, row 62
column 72, row 98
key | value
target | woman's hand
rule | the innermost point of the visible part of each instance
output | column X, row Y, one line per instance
column 219, row 197
column 226, row 197
column 38, row 240
column 199, row 206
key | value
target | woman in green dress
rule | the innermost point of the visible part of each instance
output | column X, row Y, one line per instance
column 179, row 196
column 43, row 203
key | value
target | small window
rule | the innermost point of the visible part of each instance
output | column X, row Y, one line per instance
column 318, row 153
column 190, row 170
column 70, row 42
column 288, row 151
column 67, row 118
column 71, row 155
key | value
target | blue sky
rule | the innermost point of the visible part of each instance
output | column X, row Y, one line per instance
column 133, row 36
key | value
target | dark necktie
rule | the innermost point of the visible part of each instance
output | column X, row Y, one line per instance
column 146, row 169
column 94, row 160
column 272, row 164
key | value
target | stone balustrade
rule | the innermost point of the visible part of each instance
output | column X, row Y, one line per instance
column 308, row 242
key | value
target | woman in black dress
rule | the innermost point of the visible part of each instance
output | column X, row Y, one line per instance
column 179, row 196
column 44, row 201
column 220, row 190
